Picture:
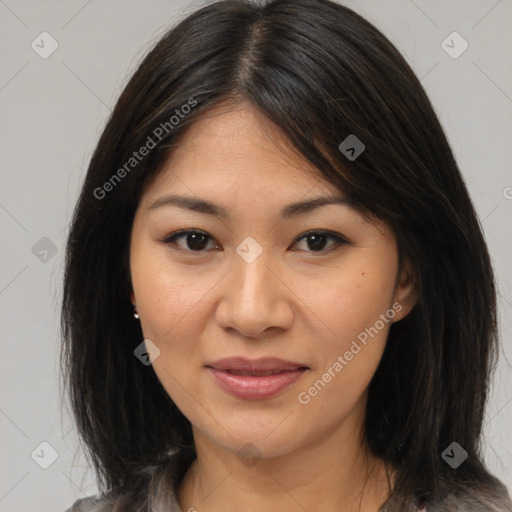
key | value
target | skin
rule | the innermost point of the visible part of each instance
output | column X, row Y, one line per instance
column 294, row 301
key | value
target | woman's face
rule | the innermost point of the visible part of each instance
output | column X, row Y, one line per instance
column 252, row 285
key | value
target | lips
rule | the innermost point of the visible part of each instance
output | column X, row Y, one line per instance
column 267, row 364
column 253, row 373
column 255, row 379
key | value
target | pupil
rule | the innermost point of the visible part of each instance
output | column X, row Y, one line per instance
column 316, row 239
column 316, row 242
column 195, row 237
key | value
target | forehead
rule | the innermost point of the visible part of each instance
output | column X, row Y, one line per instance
column 236, row 150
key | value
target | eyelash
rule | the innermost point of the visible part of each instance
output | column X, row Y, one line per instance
column 339, row 239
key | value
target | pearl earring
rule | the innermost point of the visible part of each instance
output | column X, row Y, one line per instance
column 135, row 315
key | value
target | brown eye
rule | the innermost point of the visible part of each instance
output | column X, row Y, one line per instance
column 316, row 241
column 195, row 241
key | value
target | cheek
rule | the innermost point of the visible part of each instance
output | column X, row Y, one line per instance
column 351, row 307
column 352, row 299
column 167, row 295
column 349, row 352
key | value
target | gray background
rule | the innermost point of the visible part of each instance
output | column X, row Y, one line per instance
column 52, row 112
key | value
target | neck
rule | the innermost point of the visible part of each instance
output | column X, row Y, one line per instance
column 331, row 473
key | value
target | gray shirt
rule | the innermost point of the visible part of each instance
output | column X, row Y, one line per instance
column 93, row 504
column 449, row 504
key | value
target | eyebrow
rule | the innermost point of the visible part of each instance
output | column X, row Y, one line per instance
column 203, row 206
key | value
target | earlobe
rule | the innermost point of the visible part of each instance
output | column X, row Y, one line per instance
column 406, row 294
column 135, row 313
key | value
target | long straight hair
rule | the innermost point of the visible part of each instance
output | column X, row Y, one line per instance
column 319, row 72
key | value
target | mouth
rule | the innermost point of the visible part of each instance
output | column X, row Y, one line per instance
column 262, row 365
column 266, row 373
column 255, row 379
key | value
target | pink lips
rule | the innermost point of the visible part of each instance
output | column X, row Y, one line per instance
column 255, row 379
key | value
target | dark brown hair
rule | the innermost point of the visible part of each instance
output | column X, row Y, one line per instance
column 319, row 72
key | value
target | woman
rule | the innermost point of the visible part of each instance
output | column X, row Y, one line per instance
column 276, row 284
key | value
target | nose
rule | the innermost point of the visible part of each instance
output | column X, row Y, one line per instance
column 255, row 299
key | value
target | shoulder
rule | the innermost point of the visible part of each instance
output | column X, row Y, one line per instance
column 496, row 500
column 91, row 504
column 117, row 504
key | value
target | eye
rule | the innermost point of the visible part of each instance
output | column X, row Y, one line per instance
column 196, row 241
column 316, row 240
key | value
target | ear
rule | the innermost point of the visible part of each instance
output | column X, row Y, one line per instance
column 406, row 293
column 132, row 298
